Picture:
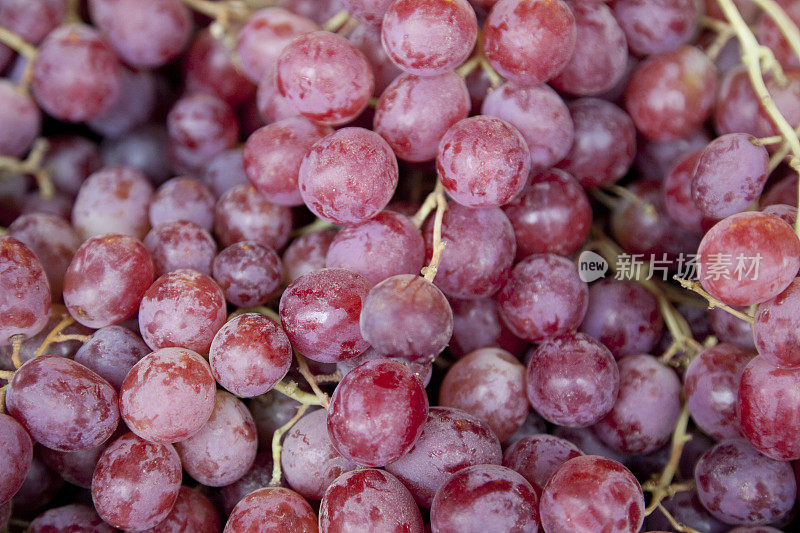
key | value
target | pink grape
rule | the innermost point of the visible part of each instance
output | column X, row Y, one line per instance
column 654, row 27
column 208, row 68
column 20, row 118
column 377, row 413
column 369, row 11
column 106, row 280
column 306, row 254
column 538, row 457
column 16, row 452
column 249, row 355
column 248, row 273
column 178, row 245
column 24, row 291
column 168, row 395
column 182, row 198
column 272, row 509
column 271, row 104
column 737, row 107
column 111, row 352
column 192, row 512
column 200, row 126
column 367, row 38
column 242, row 214
column 775, row 329
column 62, row 404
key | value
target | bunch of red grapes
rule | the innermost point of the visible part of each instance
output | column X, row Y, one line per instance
column 362, row 266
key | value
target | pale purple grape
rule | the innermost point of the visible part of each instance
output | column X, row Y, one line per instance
column 588, row 493
column 273, row 154
column 106, row 280
column 429, row 37
column 225, row 171
column 348, row 176
column 379, row 248
column 543, row 297
column 367, row 38
column 537, row 457
column 75, row 517
column 224, row 449
column 113, row 200
column 136, row 482
column 469, row 234
column 729, row 175
column 368, row 499
column 272, row 509
column 180, row 244
column 572, row 380
column 144, row 148
column 271, row 104
column 483, row 161
column 39, row 488
column 182, row 308
column 16, row 454
column 192, row 512
column 133, row 106
column 208, row 67
column 62, row 404
column 264, row 36
column 74, row 467
column 168, row 395
column 485, row 495
column 624, row 316
column 653, row 27
column 309, row 460
column 477, row 324
column 320, row 313
column 604, row 142
column 647, row 408
column 71, row 159
column 76, row 75
column 144, row 33
column 200, row 127
column 407, row 316
column 711, row 384
column 32, row 19
column 540, row 115
column 248, row 273
column 259, row 475
column 377, row 413
column 736, row 108
column 723, row 471
column 242, row 214
column 686, row 508
column 677, row 195
column 489, row 384
column 111, row 352
column 182, row 198
column 414, row 112
column 324, row 77
column 775, row 328
column 249, row 355
column 20, row 118
column 728, row 328
column 306, row 254
column 451, row 439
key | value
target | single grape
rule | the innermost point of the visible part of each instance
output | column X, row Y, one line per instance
column 32, row 19
column 775, row 330
column 591, row 493
column 248, row 273
column 144, row 149
column 647, row 408
column 429, row 37
column 483, row 495
column 677, row 194
column 544, row 297
column 748, row 258
column 529, row 42
column 75, row 517
column 242, row 214
column 723, row 472
column 728, row 328
column 407, row 316
column 737, row 106
column 70, row 159
column 271, row 104
column 273, row 154
column 76, row 75
column 133, row 106
column 483, row 161
column 182, row 198
column 208, row 67
column 62, row 404
column 75, row 467
column 192, row 512
column 111, row 352
column 168, row 395
column 367, row 38
column 624, row 316
column 306, row 253
column 655, row 27
column 16, row 454
column 106, row 280
column 200, row 126
column 179, row 245
column 572, row 380
column 711, row 385
column 20, row 118
column 126, row 466
column 272, row 509
column 477, row 324
column 377, row 413
column 225, row 171
column 370, row 500
column 324, row 77
column 25, row 295
column 537, row 457
column 320, row 313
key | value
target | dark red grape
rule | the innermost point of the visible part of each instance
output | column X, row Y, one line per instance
column 106, row 280
column 272, row 509
column 16, row 454
column 128, row 465
column 69, row 518
column 192, row 512
column 348, row 176
column 572, row 380
column 726, row 469
column 543, row 297
column 168, row 395
column 208, row 67
column 591, row 493
column 529, row 41
column 242, row 214
column 655, row 27
column 178, row 245
column 537, row 457
column 485, row 495
column 200, row 126
column 20, row 118
column 63, row 405
column 377, row 413
column 24, row 291
column 111, row 352
column 306, row 253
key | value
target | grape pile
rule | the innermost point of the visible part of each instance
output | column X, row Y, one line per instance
column 382, row 266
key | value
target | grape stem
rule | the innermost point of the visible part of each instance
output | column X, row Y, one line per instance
column 753, row 54
column 712, row 302
column 337, row 21
column 429, row 272
column 291, row 390
column 73, row 12
column 469, row 65
column 674, row 523
column 3, row 390
column 56, row 336
column 31, row 165
column 336, row 377
column 314, row 227
column 23, row 48
column 277, row 447
column 724, row 33
column 16, row 346
column 663, row 487
column 428, row 205
column 626, row 194
column 302, row 365
column 6, row 374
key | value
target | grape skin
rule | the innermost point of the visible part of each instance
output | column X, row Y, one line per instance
column 775, row 329
column 73, row 517
column 200, row 126
column 307, row 253
column 182, row 198
column 242, row 214
column 16, row 454
column 248, row 273
column 111, row 352
column 272, row 509
column 537, row 457
column 179, row 245
column 24, row 291
column 208, row 68
column 20, row 118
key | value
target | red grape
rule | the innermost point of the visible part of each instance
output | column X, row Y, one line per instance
column 180, row 244
column 111, row 352
column 737, row 106
column 208, row 67
column 775, row 329
column 538, row 457
column 70, row 159
column 192, row 512
column 20, row 118
column 369, row 11
column 16, row 453
column 732, row 329
column 477, row 324
column 182, row 198
column 272, row 509
column 242, row 214
column 248, row 273
column 68, row 518
column 144, row 149
column 24, row 291
column 271, row 104
column 677, row 196
column 656, row 26
column 200, row 126
column 367, row 38
column 259, row 475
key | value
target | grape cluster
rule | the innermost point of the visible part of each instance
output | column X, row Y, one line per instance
column 371, row 265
